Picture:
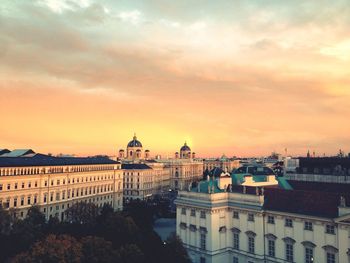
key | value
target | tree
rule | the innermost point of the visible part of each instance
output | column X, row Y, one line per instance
column 130, row 254
column 52, row 249
column 176, row 251
column 82, row 213
column 5, row 221
column 97, row 250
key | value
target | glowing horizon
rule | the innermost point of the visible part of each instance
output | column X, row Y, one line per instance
column 229, row 77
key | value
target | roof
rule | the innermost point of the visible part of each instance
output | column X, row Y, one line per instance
column 185, row 148
column 134, row 142
column 319, row 186
column 135, row 166
column 46, row 160
column 315, row 203
column 17, row 153
column 2, row 151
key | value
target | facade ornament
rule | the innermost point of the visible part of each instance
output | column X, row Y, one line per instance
column 342, row 201
column 190, row 186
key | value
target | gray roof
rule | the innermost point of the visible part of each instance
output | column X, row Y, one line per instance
column 17, row 153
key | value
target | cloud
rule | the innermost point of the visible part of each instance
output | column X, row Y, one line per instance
column 133, row 17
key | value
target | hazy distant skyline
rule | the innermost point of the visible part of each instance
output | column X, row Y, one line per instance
column 236, row 77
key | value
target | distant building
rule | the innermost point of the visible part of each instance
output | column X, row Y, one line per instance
column 159, row 175
column 224, row 163
column 56, row 183
column 246, row 218
column 319, row 169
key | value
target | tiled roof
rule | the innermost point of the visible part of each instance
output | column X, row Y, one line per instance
column 323, row 204
column 45, row 160
column 319, row 186
column 2, row 151
column 135, row 166
column 17, row 153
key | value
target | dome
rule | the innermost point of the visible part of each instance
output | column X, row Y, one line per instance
column 185, row 148
column 134, row 143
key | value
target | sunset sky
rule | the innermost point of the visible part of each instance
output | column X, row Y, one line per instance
column 236, row 77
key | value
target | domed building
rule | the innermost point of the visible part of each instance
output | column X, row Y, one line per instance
column 185, row 152
column 134, row 149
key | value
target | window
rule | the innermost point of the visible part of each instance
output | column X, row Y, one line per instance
column 288, row 222
column 15, row 202
column 271, row 248
column 22, row 200
column 236, row 240
column 8, row 186
column 28, row 200
column 193, row 212
column 309, row 255
column 308, row 225
column 251, row 245
column 330, row 257
column 251, row 217
column 271, row 220
column 45, row 198
column 203, row 241
column 29, row 184
column 0, row 187
column 289, row 252
column 45, row 183
column 235, row 215
column 235, row 260
column 330, row 229
column 16, row 185
column 203, row 215
column 202, row 260
column 22, row 185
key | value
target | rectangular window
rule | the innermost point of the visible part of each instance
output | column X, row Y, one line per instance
column 28, row 200
column 251, row 245
column 202, row 260
column 15, row 202
column 22, row 201
column 22, row 185
column 236, row 241
column 57, row 196
column 288, row 222
column 29, row 184
column 235, row 260
column 271, row 220
column 45, row 198
column 330, row 257
column 0, row 187
column 330, row 229
column 235, row 215
column 203, row 241
column 35, row 184
column 203, row 215
column 289, row 252
column 8, row 186
column 193, row 212
column 309, row 255
column 271, row 247
column 251, row 217
column 308, row 225
column 45, row 183
column 16, row 185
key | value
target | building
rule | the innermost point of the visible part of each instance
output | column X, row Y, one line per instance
column 159, row 174
column 319, row 169
column 224, row 163
column 245, row 218
column 56, row 183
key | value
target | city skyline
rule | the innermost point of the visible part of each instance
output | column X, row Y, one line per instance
column 238, row 78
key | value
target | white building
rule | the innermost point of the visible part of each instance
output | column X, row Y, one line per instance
column 220, row 221
column 55, row 183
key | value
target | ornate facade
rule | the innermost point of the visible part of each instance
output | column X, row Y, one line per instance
column 221, row 223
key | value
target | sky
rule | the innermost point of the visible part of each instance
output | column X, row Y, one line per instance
column 243, row 78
